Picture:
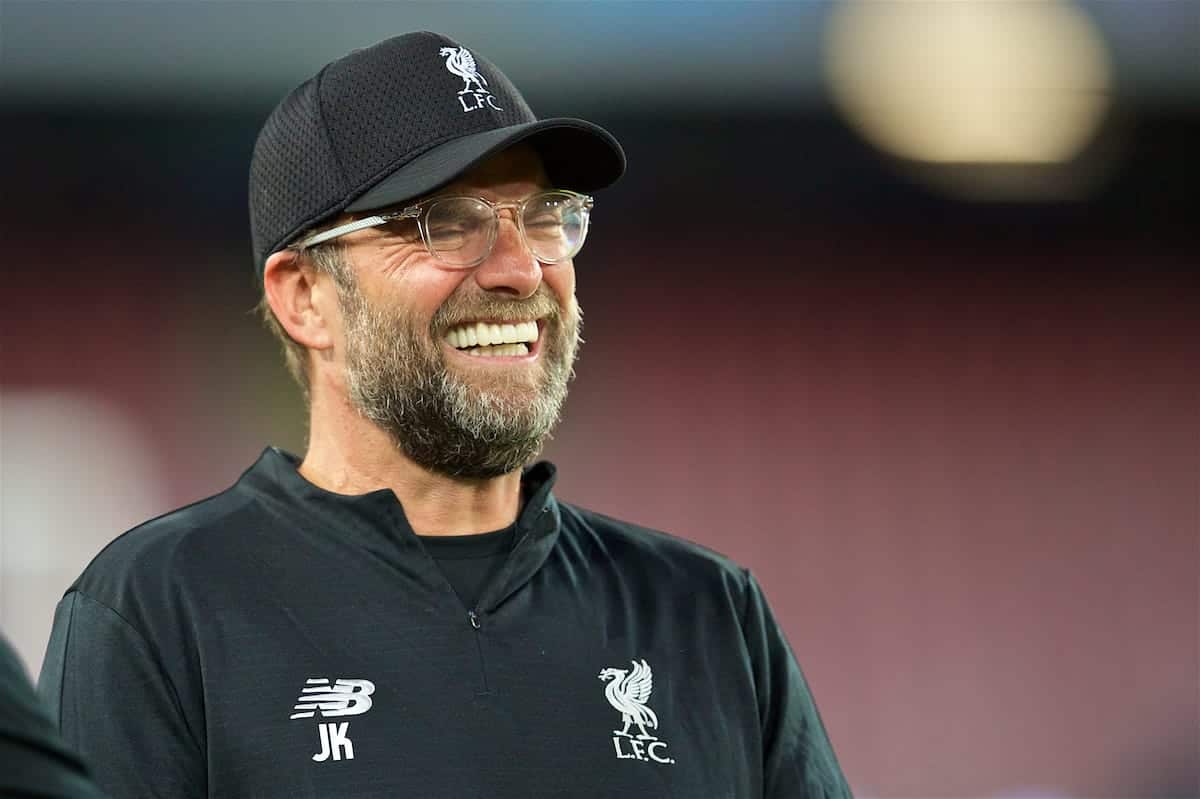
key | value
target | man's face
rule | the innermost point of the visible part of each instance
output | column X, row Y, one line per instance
column 464, row 411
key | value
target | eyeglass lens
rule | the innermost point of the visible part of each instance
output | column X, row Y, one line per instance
column 460, row 231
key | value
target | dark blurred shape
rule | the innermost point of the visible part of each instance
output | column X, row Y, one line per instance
column 34, row 761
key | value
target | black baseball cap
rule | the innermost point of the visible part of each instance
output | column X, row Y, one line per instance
column 397, row 120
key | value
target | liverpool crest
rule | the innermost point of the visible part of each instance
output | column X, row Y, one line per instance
column 628, row 691
column 475, row 93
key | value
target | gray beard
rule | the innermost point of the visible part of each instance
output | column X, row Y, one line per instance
column 397, row 377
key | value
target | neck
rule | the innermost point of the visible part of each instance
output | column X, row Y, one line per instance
column 348, row 454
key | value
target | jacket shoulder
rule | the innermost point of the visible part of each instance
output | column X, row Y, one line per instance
column 651, row 549
column 154, row 554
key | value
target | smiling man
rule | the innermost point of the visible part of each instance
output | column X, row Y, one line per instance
column 408, row 610
column 443, row 336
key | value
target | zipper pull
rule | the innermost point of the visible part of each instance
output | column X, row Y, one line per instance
column 474, row 619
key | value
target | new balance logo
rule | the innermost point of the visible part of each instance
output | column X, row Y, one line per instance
column 343, row 698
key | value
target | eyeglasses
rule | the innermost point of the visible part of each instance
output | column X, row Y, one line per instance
column 461, row 231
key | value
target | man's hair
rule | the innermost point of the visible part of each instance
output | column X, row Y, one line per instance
column 327, row 258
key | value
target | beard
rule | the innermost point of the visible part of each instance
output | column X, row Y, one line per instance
column 446, row 422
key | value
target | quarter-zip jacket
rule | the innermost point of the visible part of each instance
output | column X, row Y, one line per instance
column 279, row 640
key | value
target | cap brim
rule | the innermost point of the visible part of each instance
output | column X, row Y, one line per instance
column 577, row 155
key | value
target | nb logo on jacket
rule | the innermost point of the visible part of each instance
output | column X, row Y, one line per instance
column 343, row 698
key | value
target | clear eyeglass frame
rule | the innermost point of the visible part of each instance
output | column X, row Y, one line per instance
column 420, row 213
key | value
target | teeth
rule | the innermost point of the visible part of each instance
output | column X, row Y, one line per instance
column 483, row 334
column 498, row 350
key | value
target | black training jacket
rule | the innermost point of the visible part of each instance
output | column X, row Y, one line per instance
column 279, row 640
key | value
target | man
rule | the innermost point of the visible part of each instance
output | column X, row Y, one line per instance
column 407, row 611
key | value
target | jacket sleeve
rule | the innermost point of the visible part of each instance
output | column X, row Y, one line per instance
column 798, row 759
column 116, row 706
column 33, row 760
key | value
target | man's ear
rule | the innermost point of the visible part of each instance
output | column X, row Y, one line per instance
column 303, row 299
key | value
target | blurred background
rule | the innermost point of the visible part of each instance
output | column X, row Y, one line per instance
column 897, row 305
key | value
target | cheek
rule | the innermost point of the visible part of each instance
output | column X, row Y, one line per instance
column 421, row 292
column 406, row 274
column 560, row 278
column 396, row 258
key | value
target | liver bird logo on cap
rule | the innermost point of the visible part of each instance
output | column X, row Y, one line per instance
column 461, row 63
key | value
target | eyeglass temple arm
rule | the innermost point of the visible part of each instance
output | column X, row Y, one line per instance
column 350, row 227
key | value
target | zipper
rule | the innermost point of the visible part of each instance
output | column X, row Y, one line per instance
column 473, row 616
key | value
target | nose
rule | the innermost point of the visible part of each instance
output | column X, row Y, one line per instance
column 510, row 268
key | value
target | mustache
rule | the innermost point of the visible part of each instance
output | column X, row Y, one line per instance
column 453, row 313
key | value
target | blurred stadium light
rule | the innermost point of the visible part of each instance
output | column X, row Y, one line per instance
column 105, row 477
column 1022, row 88
column 970, row 82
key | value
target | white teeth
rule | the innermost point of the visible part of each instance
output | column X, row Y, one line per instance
column 484, row 334
column 498, row 350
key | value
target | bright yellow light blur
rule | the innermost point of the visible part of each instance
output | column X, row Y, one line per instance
column 990, row 82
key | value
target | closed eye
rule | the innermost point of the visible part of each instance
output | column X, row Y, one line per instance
column 402, row 229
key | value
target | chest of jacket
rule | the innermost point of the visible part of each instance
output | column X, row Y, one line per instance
column 379, row 688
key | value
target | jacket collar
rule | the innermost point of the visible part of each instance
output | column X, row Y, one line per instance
column 376, row 520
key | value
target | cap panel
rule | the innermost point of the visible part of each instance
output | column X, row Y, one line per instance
column 390, row 103
column 294, row 177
